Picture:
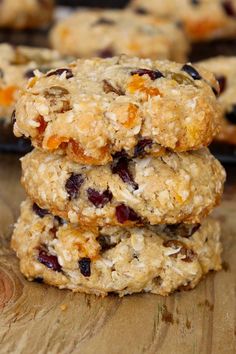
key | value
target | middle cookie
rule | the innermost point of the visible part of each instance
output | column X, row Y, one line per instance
column 178, row 187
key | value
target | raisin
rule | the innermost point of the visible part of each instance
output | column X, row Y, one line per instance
column 195, row 2
column 29, row 73
column 222, row 82
column 229, row 8
column 141, row 11
column 106, row 53
column 99, row 199
column 59, row 72
column 153, row 74
column 188, row 254
column 141, row 147
column 231, row 115
column 58, row 99
column 121, row 167
column 38, row 280
column 124, row 213
column 105, row 242
column 39, row 211
column 49, row 260
column 59, row 220
column 104, row 21
column 181, row 230
column 107, row 87
column 84, row 266
column 191, row 71
column 73, row 184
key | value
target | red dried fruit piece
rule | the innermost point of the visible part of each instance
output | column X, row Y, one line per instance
column 39, row 211
column 191, row 71
column 153, row 74
column 121, row 167
column 141, row 146
column 222, row 82
column 188, row 254
column 85, row 266
column 124, row 213
column 49, row 260
column 73, row 184
column 59, row 72
column 99, row 199
column 42, row 125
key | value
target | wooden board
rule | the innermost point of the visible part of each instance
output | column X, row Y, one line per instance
column 36, row 318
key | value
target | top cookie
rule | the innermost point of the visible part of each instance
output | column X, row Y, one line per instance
column 25, row 13
column 201, row 19
column 106, row 33
column 94, row 108
column 17, row 65
column 225, row 70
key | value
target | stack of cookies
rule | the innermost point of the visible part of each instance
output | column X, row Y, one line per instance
column 120, row 182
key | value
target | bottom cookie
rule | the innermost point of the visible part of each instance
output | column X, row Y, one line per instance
column 158, row 259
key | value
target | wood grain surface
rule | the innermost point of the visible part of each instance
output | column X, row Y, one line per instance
column 35, row 318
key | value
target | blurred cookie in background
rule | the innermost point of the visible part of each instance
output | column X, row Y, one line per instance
column 225, row 70
column 106, row 33
column 201, row 19
column 26, row 13
column 17, row 65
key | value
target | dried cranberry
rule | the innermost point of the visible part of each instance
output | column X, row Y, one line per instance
column 141, row 11
column 39, row 211
column 29, row 73
column 140, row 147
column 153, row 74
column 124, row 213
column 104, row 21
column 191, row 72
column 84, row 266
column 222, row 82
column 73, row 184
column 231, row 116
column 121, row 167
column 99, row 199
column 59, row 72
column 229, row 8
column 49, row 260
column 106, row 53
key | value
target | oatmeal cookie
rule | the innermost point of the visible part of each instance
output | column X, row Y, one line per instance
column 225, row 70
column 21, row 14
column 201, row 19
column 178, row 187
column 93, row 108
column 17, row 65
column 114, row 32
column 158, row 259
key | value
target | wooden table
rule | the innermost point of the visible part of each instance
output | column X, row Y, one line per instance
column 36, row 318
